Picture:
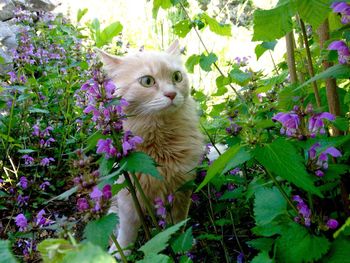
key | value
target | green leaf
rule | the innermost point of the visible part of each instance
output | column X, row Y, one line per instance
column 160, row 241
column 239, row 77
column 262, row 257
column 344, row 229
column 209, row 237
column 341, row 123
column 339, row 251
column 338, row 71
column 139, row 162
column 297, row 245
column 233, row 194
column 233, row 157
column 191, row 62
column 273, row 24
column 91, row 142
column 282, row 159
column 54, row 250
column 313, row 12
column 109, row 33
column 98, row 231
column 263, row 47
column 26, row 151
column 184, row 242
column 5, row 252
column 268, row 204
column 182, row 28
column 206, row 61
column 216, row 27
column 36, row 110
column 165, row 4
column 155, row 258
column 264, row 244
column 64, row 195
column 106, row 166
column 88, row 253
column 81, row 13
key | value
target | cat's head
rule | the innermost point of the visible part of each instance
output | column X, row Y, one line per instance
column 152, row 82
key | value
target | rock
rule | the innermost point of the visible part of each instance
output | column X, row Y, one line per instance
column 43, row 5
column 7, row 8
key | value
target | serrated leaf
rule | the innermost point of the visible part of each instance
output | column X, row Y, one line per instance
column 184, row 242
column 233, row 157
column 88, row 253
column 277, row 226
column 339, row 251
column 297, row 245
column 182, row 28
column 233, row 194
column 216, row 27
column 239, row 77
column 54, row 250
column 155, row 258
column 5, row 252
column 98, row 231
column 165, row 4
column 268, row 204
column 206, row 61
column 106, row 166
column 264, row 244
column 139, row 162
column 262, row 257
column 160, row 241
column 273, row 24
column 313, row 12
column 282, row 159
column 191, row 62
column 263, row 47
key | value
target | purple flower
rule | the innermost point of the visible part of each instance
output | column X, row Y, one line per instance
column 96, row 194
column 107, row 191
column 36, row 130
column 27, row 159
column 159, row 205
column 332, row 223
column 13, row 76
column 344, row 9
column 46, row 161
column 47, row 131
column 110, row 88
column 235, row 171
column 290, row 122
column 82, row 204
column 171, row 198
column 312, row 150
column 316, row 123
column 130, row 142
column 162, row 223
column 195, row 198
column 44, row 185
column 21, row 222
column 240, row 258
column 303, row 210
column 22, row 200
column 106, row 146
column 49, row 141
column 319, row 173
column 23, row 182
column 120, row 107
column 342, row 49
column 41, row 220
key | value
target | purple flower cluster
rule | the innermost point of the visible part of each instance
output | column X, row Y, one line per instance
column 343, row 51
column 332, row 224
column 130, row 142
column 294, row 123
column 162, row 209
column 304, row 211
column 39, row 221
column 97, row 201
column 318, row 165
column 344, row 9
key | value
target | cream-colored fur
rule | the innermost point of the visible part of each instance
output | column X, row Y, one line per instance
column 168, row 127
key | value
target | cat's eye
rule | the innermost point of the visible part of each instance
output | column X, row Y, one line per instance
column 147, row 81
column 177, row 76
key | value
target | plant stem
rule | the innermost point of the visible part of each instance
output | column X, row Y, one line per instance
column 236, row 236
column 137, row 205
column 145, row 201
column 290, row 57
column 309, row 63
column 210, row 138
column 207, row 50
column 120, row 250
column 273, row 62
column 10, row 123
column 331, row 84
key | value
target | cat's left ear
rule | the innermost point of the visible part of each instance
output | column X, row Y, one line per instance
column 109, row 61
column 174, row 48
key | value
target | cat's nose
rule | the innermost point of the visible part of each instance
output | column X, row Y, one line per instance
column 171, row 95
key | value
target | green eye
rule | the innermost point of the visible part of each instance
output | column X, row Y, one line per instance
column 177, row 76
column 147, row 81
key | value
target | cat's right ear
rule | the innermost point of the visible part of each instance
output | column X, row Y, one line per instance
column 109, row 61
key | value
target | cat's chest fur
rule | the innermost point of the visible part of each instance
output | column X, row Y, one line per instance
column 174, row 141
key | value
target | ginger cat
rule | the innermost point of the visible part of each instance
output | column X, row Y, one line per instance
column 162, row 112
